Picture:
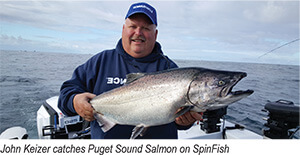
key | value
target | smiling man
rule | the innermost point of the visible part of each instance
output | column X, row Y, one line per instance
column 139, row 35
column 137, row 51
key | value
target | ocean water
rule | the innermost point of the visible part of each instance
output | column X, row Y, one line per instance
column 27, row 79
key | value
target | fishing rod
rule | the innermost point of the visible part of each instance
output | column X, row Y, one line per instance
column 279, row 47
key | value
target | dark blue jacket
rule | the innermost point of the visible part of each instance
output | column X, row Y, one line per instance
column 107, row 70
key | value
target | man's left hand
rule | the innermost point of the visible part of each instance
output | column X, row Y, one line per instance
column 188, row 118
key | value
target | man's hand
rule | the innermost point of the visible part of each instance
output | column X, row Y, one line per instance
column 188, row 118
column 83, row 107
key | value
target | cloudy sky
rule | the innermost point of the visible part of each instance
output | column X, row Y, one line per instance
column 239, row 31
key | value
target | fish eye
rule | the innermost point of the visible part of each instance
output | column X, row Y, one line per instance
column 221, row 83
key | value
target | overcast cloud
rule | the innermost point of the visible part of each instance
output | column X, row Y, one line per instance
column 201, row 30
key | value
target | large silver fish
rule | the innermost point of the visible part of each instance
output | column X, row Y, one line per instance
column 154, row 98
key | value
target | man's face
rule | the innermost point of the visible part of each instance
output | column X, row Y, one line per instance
column 138, row 35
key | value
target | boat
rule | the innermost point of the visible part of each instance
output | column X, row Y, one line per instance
column 282, row 123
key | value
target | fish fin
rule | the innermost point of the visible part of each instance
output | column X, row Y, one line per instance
column 198, row 109
column 139, row 130
column 133, row 76
column 103, row 122
column 183, row 111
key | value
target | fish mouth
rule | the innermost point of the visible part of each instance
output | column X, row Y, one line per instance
column 241, row 92
column 227, row 91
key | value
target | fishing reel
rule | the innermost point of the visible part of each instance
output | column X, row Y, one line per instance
column 211, row 120
column 283, row 117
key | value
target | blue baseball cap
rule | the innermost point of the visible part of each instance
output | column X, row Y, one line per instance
column 143, row 8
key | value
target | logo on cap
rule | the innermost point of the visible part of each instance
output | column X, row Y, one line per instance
column 143, row 6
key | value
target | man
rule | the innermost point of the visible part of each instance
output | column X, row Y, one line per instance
column 136, row 51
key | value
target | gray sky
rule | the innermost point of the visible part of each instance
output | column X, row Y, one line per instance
column 200, row 30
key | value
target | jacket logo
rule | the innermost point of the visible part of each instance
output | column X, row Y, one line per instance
column 115, row 80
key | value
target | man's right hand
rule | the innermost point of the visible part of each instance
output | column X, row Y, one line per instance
column 83, row 107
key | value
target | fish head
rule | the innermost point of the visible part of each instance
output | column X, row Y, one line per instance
column 212, row 89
